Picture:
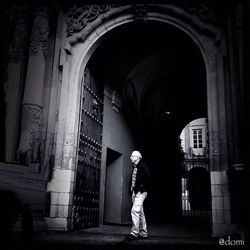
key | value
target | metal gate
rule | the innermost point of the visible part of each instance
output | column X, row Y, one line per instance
column 196, row 193
column 87, row 181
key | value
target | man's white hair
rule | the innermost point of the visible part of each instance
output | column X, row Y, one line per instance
column 137, row 153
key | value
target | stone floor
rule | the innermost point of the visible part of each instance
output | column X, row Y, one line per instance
column 168, row 236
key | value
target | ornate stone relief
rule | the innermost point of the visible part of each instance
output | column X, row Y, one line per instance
column 203, row 17
column 204, row 12
column 80, row 16
column 140, row 11
column 35, row 115
column 30, row 149
column 39, row 37
column 33, row 118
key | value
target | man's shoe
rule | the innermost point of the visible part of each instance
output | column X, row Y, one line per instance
column 131, row 237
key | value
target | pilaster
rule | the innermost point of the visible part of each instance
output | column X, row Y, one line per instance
column 14, row 83
column 30, row 144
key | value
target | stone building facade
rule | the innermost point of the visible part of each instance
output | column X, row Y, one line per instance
column 65, row 138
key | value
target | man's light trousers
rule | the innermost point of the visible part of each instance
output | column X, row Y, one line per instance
column 139, row 225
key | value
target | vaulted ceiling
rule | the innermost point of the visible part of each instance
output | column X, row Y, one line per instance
column 158, row 70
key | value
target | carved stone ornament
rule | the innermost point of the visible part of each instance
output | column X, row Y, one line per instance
column 39, row 37
column 19, row 43
column 79, row 17
column 30, row 149
column 204, row 12
column 31, row 122
column 140, row 11
column 36, row 120
column 35, row 116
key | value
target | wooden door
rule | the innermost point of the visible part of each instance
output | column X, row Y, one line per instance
column 87, row 182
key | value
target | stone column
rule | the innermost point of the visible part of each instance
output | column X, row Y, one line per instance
column 236, row 54
column 218, row 150
column 14, row 83
column 33, row 93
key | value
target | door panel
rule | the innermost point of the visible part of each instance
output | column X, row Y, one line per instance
column 87, row 182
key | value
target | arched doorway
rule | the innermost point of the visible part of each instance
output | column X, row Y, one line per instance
column 80, row 48
column 159, row 91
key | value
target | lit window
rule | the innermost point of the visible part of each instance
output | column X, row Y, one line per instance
column 197, row 138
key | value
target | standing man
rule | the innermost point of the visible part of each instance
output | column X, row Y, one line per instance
column 138, row 188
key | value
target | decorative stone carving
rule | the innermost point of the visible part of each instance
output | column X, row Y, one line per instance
column 79, row 17
column 34, row 115
column 69, row 139
column 140, row 11
column 39, row 37
column 31, row 145
column 204, row 12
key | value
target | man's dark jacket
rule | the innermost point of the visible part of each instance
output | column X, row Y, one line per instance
column 142, row 182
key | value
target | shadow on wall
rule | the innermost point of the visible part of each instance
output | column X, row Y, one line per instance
column 10, row 208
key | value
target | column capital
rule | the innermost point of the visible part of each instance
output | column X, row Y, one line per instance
column 40, row 31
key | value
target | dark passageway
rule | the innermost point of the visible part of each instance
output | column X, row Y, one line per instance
column 149, row 65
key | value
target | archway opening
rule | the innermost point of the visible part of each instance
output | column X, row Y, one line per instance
column 195, row 174
column 160, row 75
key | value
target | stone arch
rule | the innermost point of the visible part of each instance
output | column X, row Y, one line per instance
column 79, row 48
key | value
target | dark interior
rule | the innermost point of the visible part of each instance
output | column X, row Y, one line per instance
column 160, row 74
